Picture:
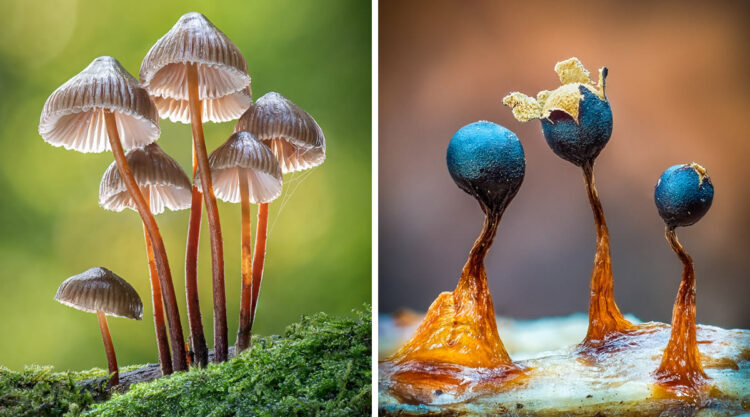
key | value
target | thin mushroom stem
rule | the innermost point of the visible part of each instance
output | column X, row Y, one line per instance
column 221, row 348
column 179, row 359
column 162, row 340
column 604, row 316
column 243, row 332
column 197, row 337
column 259, row 256
column 681, row 365
column 109, row 348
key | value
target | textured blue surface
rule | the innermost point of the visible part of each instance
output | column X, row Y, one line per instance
column 487, row 161
column 680, row 196
column 580, row 142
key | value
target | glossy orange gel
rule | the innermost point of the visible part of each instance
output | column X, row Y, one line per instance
column 680, row 372
column 605, row 319
column 457, row 347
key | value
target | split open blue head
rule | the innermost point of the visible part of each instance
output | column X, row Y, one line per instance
column 580, row 141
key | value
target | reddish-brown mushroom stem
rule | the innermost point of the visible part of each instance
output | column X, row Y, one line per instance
column 246, row 297
column 197, row 337
column 604, row 316
column 681, row 365
column 259, row 256
column 162, row 340
column 212, row 211
column 109, row 348
column 179, row 359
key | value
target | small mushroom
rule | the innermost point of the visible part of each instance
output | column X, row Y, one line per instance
column 101, row 291
column 164, row 185
column 245, row 171
column 298, row 143
column 101, row 108
column 577, row 123
column 459, row 331
column 195, row 73
column 683, row 195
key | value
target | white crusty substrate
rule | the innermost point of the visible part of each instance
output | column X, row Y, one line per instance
column 615, row 382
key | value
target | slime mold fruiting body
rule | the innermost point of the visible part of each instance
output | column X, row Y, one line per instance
column 577, row 123
column 683, row 195
column 457, row 347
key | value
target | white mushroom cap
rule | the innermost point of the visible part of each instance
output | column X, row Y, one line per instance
column 223, row 109
column 292, row 134
column 155, row 172
column 243, row 154
column 100, row 289
column 222, row 70
column 73, row 116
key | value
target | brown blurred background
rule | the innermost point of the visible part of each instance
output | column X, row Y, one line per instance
column 678, row 86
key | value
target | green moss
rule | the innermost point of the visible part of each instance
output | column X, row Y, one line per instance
column 320, row 366
column 38, row 391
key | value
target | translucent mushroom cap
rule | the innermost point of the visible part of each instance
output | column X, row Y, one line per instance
column 224, row 85
column 244, row 155
column 291, row 133
column 73, row 116
column 100, row 289
column 155, row 172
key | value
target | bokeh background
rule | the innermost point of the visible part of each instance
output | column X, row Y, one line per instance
column 678, row 86
column 51, row 227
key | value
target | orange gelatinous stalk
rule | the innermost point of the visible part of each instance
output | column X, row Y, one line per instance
column 458, row 332
column 605, row 318
column 680, row 371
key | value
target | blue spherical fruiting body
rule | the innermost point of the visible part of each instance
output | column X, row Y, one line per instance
column 580, row 141
column 487, row 161
column 683, row 194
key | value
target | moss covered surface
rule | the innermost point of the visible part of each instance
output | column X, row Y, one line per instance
column 320, row 366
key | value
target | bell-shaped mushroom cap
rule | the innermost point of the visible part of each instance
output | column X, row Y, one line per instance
column 243, row 154
column 100, row 289
column 73, row 116
column 222, row 109
column 154, row 171
column 291, row 133
column 222, row 69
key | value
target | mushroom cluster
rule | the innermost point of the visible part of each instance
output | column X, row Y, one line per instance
column 194, row 73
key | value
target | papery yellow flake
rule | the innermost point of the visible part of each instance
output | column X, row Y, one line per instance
column 542, row 96
column 566, row 98
column 702, row 173
column 524, row 107
column 572, row 71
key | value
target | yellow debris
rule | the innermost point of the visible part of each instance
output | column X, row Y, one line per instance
column 565, row 98
column 524, row 107
column 572, row 71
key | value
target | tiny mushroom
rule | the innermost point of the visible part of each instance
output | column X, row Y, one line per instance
column 163, row 184
column 245, row 171
column 196, row 73
column 577, row 123
column 683, row 195
column 459, row 330
column 105, row 108
column 101, row 291
column 298, row 143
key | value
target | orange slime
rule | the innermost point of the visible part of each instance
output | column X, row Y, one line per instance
column 458, row 332
column 680, row 371
column 605, row 318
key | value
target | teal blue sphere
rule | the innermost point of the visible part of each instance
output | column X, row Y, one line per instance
column 487, row 161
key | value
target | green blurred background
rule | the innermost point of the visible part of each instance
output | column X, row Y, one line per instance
column 315, row 53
